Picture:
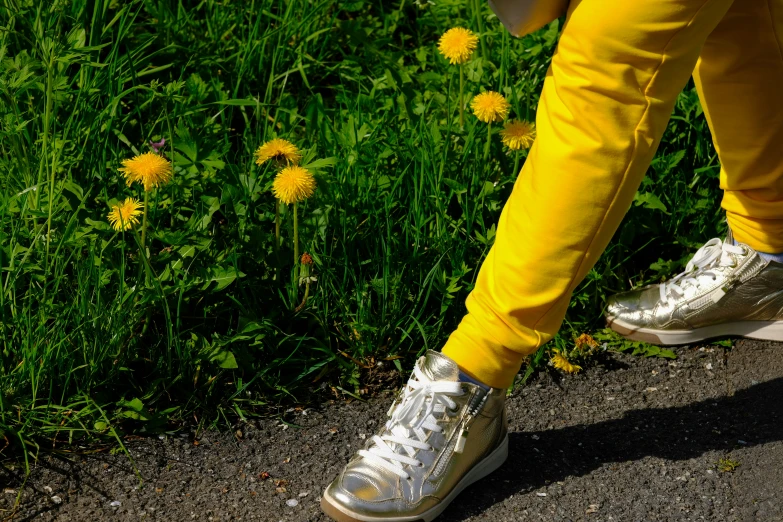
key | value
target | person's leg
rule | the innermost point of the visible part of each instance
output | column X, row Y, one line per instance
column 732, row 287
column 610, row 91
column 740, row 81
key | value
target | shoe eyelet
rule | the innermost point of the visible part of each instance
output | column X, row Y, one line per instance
column 420, row 465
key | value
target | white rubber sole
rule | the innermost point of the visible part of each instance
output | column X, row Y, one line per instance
column 490, row 463
column 763, row 330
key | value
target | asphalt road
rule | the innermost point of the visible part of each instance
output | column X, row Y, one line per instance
column 630, row 439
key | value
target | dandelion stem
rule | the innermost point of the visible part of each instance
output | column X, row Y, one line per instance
column 46, row 121
column 144, row 224
column 477, row 11
column 277, row 225
column 306, row 271
column 489, row 140
column 461, row 103
column 296, row 235
column 44, row 156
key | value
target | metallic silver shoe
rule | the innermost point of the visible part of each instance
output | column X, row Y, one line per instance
column 726, row 290
column 442, row 435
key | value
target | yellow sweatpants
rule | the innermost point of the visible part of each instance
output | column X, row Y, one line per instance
column 607, row 98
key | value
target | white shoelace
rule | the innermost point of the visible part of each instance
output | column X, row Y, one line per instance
column 702, row 268
column 414, row 415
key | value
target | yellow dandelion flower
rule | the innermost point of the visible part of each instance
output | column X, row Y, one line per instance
column 457, row 44
column 126, row 214
column 149, row 168
column 559, row 361
column 293, row 184
column 585, row 341
column 518, row 134
column 490, row 106
column 279, row 150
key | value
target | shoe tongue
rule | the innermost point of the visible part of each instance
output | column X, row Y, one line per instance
column 439, row 367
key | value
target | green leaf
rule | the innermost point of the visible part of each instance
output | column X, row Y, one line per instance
column 321, row 163
column 650, row 200
column 225, row 359
column 97, row 225
column 454, row 185
column 249, row 102
column 221, row 276
column 133, row 404
column 134, row 409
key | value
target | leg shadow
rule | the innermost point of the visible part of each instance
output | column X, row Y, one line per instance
column 753, row 415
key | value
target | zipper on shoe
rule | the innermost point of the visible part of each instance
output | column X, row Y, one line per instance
column 731, row 282
column 469, row 418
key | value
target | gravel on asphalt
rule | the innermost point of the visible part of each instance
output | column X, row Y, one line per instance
column 629, row 439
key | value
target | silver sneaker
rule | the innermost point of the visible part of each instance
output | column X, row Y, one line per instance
column 726, row 290
column 442, row 435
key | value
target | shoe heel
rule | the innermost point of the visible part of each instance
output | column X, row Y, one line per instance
column 492, row 462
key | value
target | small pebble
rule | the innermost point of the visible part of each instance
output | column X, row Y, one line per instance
column 115, row 503
column 48, row 489
column 292, row 502
column 57, row 500
column 540, row 494
column 303, row 494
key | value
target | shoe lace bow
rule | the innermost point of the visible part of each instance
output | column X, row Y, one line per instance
column 702, row 268
column 410, row 421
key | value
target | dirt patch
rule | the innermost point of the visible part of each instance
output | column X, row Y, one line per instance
column 630, row 439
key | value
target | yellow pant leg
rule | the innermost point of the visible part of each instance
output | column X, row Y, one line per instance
column 607, row 98
column 740, row 80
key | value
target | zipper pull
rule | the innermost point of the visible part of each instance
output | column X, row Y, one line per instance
column 463, row 437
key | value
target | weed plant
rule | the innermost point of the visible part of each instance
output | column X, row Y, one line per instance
column 97, row 334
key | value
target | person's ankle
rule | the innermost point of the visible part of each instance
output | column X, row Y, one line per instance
column 769, row 256
column 466, row 377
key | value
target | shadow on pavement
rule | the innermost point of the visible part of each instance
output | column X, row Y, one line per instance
column 753, row 415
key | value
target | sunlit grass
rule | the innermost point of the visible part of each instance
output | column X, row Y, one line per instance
column 219, row 318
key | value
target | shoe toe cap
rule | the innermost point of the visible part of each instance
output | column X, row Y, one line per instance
column 633, row 306
column 354, row 486
column 362, row 489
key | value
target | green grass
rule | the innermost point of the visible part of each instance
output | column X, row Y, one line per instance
column 94, row 338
